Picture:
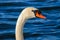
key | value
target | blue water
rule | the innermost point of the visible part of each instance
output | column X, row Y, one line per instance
column 34, row 29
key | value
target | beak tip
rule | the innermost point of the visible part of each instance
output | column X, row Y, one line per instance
column 44, row 18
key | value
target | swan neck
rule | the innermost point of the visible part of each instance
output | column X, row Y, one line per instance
column 19, row 27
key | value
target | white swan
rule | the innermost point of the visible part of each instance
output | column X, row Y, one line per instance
column 29, row 12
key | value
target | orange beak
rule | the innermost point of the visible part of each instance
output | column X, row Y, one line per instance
column 39, row 15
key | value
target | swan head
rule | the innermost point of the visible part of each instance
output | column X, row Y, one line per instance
column 31, row 12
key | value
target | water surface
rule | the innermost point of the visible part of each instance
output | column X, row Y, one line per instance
column 34, row 29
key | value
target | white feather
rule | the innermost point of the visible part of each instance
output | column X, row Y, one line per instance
column 25, row 14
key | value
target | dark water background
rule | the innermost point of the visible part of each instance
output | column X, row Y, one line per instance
column 34, row 29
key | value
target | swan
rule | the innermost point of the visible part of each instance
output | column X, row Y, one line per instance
column 27, row 13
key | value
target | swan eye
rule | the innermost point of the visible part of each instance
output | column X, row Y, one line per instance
column 34, row 11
